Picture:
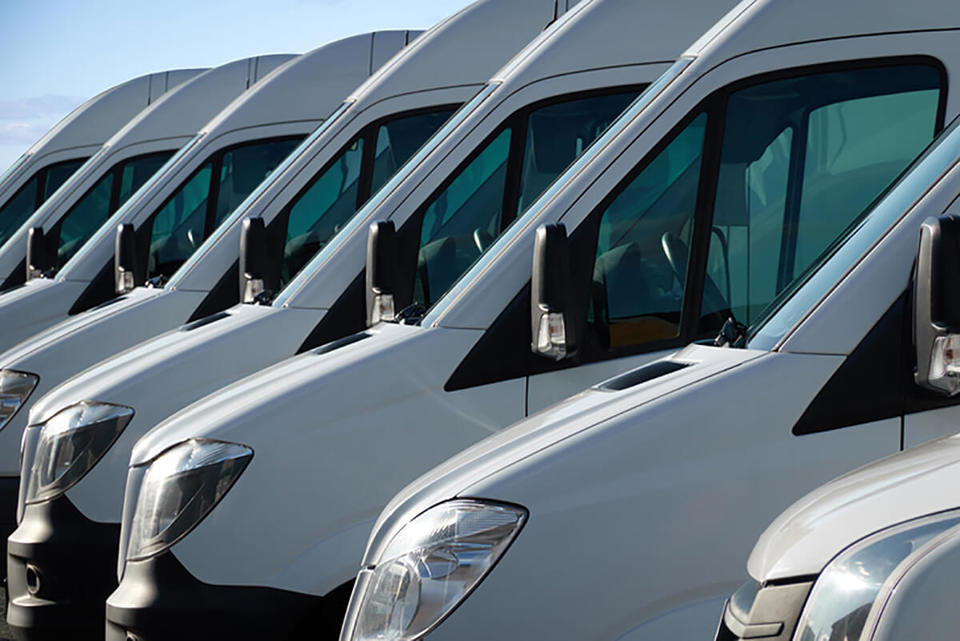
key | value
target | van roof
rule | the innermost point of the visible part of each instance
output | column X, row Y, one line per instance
column 310, row 86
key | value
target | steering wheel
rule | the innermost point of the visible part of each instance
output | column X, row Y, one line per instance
column 676, row 252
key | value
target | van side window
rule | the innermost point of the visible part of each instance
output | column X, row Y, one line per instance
column 34, row 193
column 643, row 246
column 801, row 159
column 178, row 225
column 56, row 175
column 18, row 208
column 348, row 181
column 318, row 214
column 399, row 139
column 466, row 213
column 243, row 168
column 205, row 199
column 503, row 178
column 109, row 194
column 795, row 161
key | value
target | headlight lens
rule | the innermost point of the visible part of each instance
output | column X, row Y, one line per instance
column 842, row 597
column 179, row 488
column 15, row 389
column 71, row 442
column 432, row 565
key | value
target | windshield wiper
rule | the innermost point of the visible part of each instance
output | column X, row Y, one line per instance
column 732, row 334
column 411, row 314
column 157, row 282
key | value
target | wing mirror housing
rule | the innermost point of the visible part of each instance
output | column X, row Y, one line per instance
column 38, row 259
column 552, row 322
column 382, row 267
column 254, row 254
column 936, row 306
column 125, row 259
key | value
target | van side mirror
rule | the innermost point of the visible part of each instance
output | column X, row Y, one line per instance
column 936, row 305
column 551, row 322
column 125, row 259
column 37, row 260
column 382, row 267
column 253, row 259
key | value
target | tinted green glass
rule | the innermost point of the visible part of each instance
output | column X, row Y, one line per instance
column 642, row 246
column 58, row 174
column 464, row 219
column 182, row 224
column 16, row 210
column 96, row 206
column 557, row 134
column 399, row 139
column 83, row 218
column 243, row 168
column 461, row 219
column 801, row 160
column 320, row 212
column 137, row 172
column 178, row 226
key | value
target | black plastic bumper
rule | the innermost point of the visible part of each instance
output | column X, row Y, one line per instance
column 61, row 567
column 158, row 599
column 9, row 488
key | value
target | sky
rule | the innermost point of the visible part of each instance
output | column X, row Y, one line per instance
column 58, row 53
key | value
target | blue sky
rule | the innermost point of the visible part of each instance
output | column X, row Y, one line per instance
column 60, row 52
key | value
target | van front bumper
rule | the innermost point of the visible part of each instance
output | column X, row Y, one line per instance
column 61, row 567
column 158, row 599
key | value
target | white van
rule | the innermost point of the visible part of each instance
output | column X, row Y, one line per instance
column 41, row 170
column 869, row 556
column 378, row 128
column 650, row 487
column 336, row 430
column 54, row 234
column 171, row 216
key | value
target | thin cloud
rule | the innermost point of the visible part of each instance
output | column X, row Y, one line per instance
column 22, row 132
column 37, row 107
column 23, row 121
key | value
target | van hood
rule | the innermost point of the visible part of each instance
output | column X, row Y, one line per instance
column 109, row 380
column 554, row 424
column 62, row 330
column 898, row 488
column 356, row 363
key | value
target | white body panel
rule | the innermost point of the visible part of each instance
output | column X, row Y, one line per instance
column 81, row 133
column 236, row 347
column 167, row 125
column 293, row 100
column 370, row 441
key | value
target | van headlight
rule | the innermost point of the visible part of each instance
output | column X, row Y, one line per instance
column 432, row 565
column 841, row 601
column 179, row 489
column 15, row 389
column 70, row 444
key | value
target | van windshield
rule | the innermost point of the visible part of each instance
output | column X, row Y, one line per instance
column 860, row 235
